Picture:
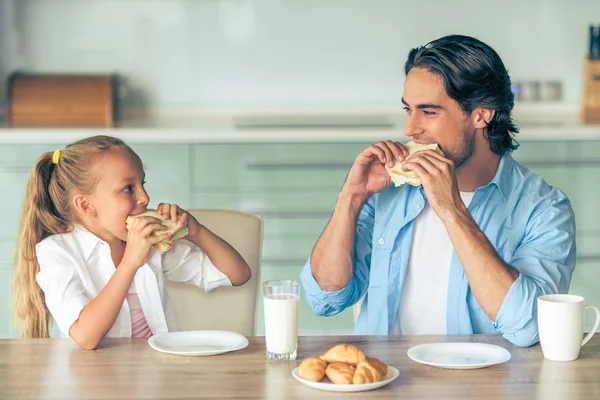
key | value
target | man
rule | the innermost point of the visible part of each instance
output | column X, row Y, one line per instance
column 471, row 249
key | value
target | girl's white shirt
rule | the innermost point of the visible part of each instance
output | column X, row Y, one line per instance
column 75, row 267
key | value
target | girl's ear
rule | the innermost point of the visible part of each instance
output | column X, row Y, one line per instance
column 83, row 206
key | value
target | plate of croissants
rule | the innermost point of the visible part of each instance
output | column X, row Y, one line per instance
column 344, row 368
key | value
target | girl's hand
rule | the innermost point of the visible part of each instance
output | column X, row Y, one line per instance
column 224, row 257
column 139, row 241
column 182, row 217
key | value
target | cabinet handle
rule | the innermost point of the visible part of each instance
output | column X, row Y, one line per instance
column 9, row 265
column 590, row 162
column 293, row 213
column 16, row 168
column 341, row 165
column 588, row 232
column 299, row 165
column 284, row 262
column 588, row 257
column 299, row 262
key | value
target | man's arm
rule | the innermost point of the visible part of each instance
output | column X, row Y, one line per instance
column 336, row 275
column 332, row 257
column 545, row 260
column 542, row 264
column 490, row 278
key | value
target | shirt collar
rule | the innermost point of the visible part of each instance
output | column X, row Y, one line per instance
column 502, row 178
column 86, row 240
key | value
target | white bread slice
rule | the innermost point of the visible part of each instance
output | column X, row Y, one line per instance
column 400, row 177
column 177, row 231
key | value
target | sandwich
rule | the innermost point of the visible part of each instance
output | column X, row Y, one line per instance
column 177, row 231
column 400, row 177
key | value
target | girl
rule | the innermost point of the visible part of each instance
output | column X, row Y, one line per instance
column 77, row 262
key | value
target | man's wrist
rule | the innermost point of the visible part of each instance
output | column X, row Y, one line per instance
column 455, row 216
column 351, row 200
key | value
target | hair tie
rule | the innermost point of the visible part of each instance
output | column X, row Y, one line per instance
column 55, row 157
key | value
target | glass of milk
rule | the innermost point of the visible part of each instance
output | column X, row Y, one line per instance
column 280, row 300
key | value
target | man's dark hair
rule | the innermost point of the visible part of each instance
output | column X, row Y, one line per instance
column 474, row 76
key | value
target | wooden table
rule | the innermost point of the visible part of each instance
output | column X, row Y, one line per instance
column 130, row 369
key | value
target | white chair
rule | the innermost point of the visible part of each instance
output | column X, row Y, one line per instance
column 231, row 309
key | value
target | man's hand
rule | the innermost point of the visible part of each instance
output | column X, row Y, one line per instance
column 438, row 176
column 368, row 174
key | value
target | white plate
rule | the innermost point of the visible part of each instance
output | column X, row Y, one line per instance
column 198, row 343
column 392, row 374
column 459, row 355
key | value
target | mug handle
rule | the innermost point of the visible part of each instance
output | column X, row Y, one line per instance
column 591, row 333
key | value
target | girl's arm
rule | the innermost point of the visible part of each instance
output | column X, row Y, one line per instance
column 99, row 315
column 223, row 256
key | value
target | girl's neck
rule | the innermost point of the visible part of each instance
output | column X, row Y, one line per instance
column 117, row 250
column 99, row 231
column 117, row 246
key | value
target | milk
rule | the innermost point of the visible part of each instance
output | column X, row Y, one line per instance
column 281, row 323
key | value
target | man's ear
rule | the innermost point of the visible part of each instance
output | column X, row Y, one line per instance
column 83, row 206
column 482, row 117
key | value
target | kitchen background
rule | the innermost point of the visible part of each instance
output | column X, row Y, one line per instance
column 278, row 96
column 256, row 52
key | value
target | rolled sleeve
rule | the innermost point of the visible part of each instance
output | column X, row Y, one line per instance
column 545, row 261
column 59, row 279
column 326, row 303
column 187, row 263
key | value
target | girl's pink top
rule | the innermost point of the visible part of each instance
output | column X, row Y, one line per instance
column 139, row 325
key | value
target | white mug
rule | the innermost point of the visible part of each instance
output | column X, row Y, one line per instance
column 560, row 324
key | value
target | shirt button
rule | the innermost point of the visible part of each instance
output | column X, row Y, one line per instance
column 381, row 241
column 418, row 206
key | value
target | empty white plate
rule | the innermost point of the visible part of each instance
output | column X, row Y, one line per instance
column 392, row 374
column 198, row 343
column 459, row 355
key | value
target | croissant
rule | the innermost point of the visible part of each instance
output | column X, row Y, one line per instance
column 312, row 369
column 344, row 353
column 366, row 373
column 380, row 366
column 340, row 373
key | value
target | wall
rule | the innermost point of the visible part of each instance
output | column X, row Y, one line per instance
column 237, row 52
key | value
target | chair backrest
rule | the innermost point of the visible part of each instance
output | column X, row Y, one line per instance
column 231, row 309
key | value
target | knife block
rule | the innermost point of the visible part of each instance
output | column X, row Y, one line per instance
column 591, row 92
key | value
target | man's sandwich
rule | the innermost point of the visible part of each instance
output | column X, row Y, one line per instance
column 400, row 177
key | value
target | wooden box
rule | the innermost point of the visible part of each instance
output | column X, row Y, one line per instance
column 591, row 92
column 61, row 100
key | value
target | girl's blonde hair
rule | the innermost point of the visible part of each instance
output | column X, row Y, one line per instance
column 47, row 211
